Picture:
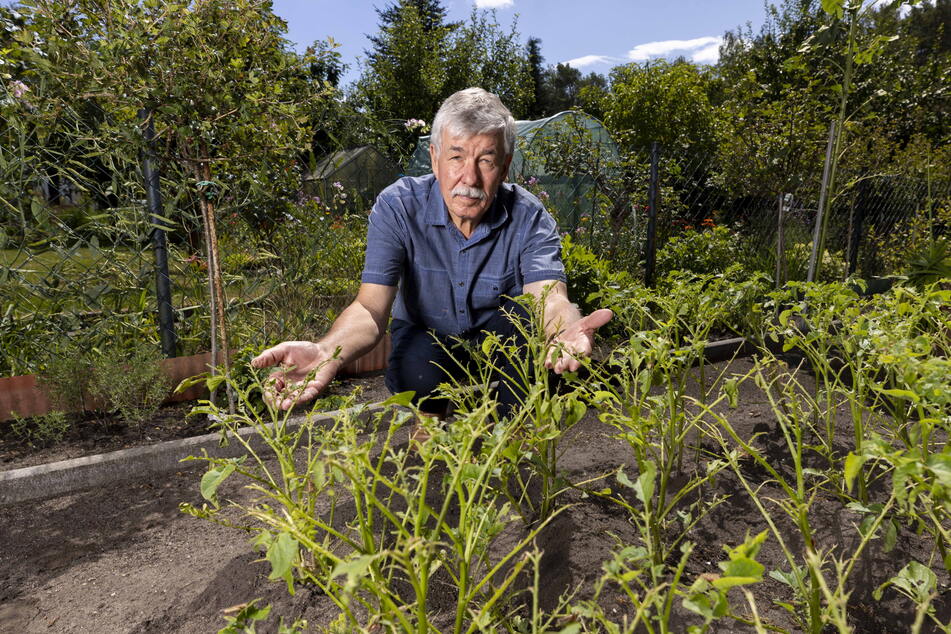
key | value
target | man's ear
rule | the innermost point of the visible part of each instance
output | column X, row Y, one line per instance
column 432, row 160
column 505, row 167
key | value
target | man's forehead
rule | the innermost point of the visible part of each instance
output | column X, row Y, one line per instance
column 489, row 142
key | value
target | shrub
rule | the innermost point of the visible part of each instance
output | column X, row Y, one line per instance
column 131, row 382
column 588, row 275
column 41, row 431
column 708, row 251
column 65, row 378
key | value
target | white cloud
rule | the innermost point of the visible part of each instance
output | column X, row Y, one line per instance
column 703, row 50
column 493, row 4
column 588, row 60
column 903, row 8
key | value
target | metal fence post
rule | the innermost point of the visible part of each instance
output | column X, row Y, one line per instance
column 781, row 243
column 818, row 236
column 163, row 286
column 856, row 222
column 650, row 248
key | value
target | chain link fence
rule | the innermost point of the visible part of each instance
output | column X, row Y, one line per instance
column 79, row 273
column 706, row 221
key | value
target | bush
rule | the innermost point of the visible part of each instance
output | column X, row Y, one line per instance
column 131, row 382
column 41, row 431
column 65, row 378
column 707, row 251
column 588, row 275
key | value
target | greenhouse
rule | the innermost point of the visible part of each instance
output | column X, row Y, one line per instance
column 363, row 171
column 569, row 196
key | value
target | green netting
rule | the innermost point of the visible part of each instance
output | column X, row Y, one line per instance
column 569, row 195
column 364, row 171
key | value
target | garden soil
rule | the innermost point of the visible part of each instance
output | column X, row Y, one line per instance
column 125, row 559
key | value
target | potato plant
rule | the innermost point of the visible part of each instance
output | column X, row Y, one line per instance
column 857, row 421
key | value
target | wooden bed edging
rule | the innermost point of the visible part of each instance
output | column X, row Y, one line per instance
column 22, row 396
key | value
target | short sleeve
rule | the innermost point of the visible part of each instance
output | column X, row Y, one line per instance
column 541, row 251
column 386, row 247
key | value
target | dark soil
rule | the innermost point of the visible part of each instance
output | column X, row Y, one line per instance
column 124, row 559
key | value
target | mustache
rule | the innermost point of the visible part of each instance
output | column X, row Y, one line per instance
column 469, row 192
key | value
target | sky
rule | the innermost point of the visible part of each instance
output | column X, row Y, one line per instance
column 593, row 35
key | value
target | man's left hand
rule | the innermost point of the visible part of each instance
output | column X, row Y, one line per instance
column 576, row 341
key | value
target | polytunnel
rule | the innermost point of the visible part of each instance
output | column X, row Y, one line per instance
column 570, row 196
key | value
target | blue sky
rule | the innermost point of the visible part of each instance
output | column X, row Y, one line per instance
column 593, row 35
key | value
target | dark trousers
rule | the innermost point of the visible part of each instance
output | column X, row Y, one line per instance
column 419, row 363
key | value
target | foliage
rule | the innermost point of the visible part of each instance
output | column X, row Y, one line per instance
column 660, row 101
column 130, row 382
column 418, row 60
column 710, row 249
column 43, row 430
column 588, row 274
column 66, row 376
column 410, row 498
column 931, row 264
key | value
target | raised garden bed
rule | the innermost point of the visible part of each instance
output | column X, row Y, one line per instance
column 126, row 559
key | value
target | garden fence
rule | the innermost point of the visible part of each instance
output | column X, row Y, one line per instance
column 78, row 270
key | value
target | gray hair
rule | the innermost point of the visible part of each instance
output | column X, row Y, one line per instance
column 474, row 111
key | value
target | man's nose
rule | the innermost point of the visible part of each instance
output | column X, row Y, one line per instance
column 470, row 173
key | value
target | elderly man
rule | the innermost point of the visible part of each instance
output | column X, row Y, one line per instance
column 445, row 252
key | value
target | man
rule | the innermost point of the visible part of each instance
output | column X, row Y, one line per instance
column 444, row 251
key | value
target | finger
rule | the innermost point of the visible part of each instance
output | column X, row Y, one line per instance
column 595, row 320
column 271, row 356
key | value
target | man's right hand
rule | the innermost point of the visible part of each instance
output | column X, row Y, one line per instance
column 289, row 385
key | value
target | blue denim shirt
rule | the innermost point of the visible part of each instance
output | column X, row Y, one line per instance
column 449, row 283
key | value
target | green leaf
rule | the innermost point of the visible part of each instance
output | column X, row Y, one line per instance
column 645, row 483
column 213, row 479
column 403, row 399
column 898, row 393
column 282, row 553
column 212, row 382
column 732, row 392
column 834, row 8
column 575, row 412
column 353, row 569
column 191, row 381
column 853, row 464
column 891, row 537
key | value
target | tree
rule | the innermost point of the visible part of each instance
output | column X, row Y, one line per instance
column 661, row 101
column 417, row 62
column 536, row 71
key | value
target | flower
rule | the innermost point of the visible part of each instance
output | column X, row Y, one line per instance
column 338, row 185
column 543, row 195
column 414, row 124
column 531, row 182
column 19, row 88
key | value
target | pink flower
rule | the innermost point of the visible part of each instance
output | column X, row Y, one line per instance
column 19, row 88
column 531, row 182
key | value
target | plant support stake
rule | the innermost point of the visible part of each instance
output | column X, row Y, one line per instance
column 650, row 249
column 163, row 285
column 781, row 243
column 817, row 236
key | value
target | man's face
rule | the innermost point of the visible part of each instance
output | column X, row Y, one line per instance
column 469, row 171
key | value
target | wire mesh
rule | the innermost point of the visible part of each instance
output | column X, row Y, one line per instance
column 78, row 271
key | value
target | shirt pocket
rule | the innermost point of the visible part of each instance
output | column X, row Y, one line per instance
column 430, row 295
column 488, row 291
